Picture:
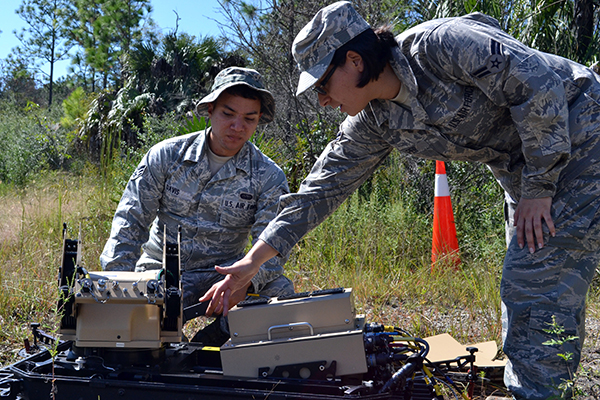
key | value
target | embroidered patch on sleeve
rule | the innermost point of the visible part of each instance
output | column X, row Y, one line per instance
column 495, row 62
column 138, row 172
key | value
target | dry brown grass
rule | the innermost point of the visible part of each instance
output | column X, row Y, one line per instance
column 384, row 258
column 30, row 250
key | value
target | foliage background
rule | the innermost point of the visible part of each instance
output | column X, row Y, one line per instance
column 68, row 147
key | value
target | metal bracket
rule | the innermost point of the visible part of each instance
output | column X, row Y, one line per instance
column 313, row 371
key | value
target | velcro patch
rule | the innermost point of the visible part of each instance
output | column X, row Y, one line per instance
column 495, row 62
column 139, row 171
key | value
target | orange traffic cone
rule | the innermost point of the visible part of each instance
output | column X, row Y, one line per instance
column 445, row 243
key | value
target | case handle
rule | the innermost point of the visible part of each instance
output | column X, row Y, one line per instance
column 290, row 327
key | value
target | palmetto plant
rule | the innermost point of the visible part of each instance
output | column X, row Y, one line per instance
column 161, row 79
column 176, row 71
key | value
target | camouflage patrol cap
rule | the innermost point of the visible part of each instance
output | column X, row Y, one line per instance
column 233, row 76
column 314, row 47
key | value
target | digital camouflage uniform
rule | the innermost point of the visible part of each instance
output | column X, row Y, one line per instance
column 477, row 94
column 172, row 186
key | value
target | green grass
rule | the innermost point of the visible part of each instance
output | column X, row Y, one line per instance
column 31, row 245
column 380, row 249
column 384, row 254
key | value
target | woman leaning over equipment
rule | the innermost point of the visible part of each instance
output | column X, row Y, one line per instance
column 462, row 89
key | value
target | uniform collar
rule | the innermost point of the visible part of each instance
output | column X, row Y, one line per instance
column 197, row 151
column 399, row 117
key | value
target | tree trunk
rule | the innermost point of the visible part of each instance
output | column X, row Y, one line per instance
column 584, row 26
column 52, row 50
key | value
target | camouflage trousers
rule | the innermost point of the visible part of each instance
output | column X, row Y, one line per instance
column 194, row 284
column 550, row 286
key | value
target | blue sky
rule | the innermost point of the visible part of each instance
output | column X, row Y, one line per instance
column 197, row 17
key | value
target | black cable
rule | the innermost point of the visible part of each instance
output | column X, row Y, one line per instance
column 450, row 381
column 402, row 374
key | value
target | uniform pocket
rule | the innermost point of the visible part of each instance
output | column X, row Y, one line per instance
column 176, row 201
column 576, row 210
column 237, row 214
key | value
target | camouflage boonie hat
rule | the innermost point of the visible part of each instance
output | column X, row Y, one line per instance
column 233, row 76
column 314, row 47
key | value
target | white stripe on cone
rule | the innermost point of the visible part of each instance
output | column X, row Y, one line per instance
column 441, row 185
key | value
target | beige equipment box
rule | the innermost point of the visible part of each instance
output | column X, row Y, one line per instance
column 302, row 336
column 120, row 309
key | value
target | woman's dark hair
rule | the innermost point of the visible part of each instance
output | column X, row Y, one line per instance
column 375, row 48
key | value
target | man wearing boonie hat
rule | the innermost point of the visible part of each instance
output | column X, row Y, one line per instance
column 214, row 184
column 462, row 89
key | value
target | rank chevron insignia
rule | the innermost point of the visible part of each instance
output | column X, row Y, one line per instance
column 495, row 63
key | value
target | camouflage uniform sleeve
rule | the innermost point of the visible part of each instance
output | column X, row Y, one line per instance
column 135, row 212
column 342, row 167
column 512, row 76
column 274, row 186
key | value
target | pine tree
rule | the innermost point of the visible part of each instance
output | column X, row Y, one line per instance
column 45, row 38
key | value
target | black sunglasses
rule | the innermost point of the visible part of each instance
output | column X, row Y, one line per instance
column 321, row 87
